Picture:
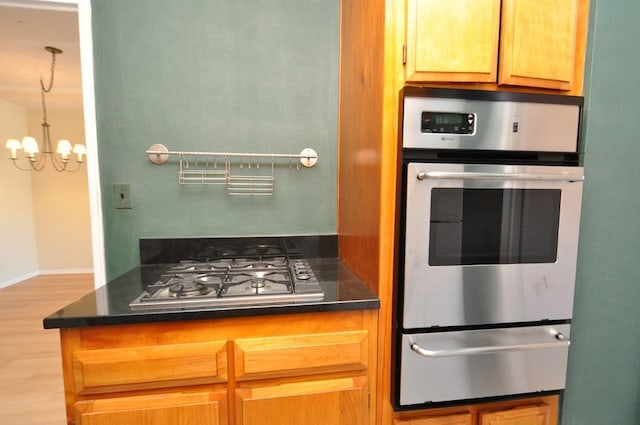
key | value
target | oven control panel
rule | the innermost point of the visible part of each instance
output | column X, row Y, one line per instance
column 447, row 122
column 489, row 121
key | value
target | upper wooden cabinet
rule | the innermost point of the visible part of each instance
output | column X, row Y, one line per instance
column 452, row 40
column 532, row 43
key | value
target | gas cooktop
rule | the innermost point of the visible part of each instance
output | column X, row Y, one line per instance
column 266, row 275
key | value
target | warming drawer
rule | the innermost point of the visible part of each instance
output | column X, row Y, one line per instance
column 461, row 365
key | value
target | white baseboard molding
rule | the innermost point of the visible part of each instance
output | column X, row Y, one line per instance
column 66, row 271
column 18, row 279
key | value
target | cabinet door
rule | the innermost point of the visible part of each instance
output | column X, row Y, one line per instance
column 337, row 401
column 452, row 40
column 524, row 415
column 208, row 408
column 538, row 43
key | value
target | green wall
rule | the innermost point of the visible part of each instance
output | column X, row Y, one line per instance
column 214, row 75
column 603, row 385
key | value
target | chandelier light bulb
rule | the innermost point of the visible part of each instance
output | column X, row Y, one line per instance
column 79, row 150
column 30, row 146
column 64, row 148
column 13, row 145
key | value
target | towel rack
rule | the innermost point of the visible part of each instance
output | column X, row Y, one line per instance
column 242, row 173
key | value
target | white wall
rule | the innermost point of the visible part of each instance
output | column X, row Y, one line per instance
column 61, row 201
column 45, row 224
column 18, row 249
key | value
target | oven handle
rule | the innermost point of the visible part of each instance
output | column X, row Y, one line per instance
column 571, row 178
column 561, row 342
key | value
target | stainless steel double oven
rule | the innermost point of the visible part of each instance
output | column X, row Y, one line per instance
column 490, row 195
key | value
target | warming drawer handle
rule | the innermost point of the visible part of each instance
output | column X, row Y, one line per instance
column 561, row 342
column 571, row 178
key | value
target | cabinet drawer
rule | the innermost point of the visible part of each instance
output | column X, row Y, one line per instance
column 342, row 401
column 462, row 418
column 206, row 408
column 160, row 366
column 301, row 354
column 538, row 414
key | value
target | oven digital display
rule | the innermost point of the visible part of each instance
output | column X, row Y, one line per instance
column 442, row 119
column 447, row 122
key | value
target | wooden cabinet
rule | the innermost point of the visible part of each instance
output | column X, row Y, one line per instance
column 532, row 411
column 303, row 369
column 533, row 43
column 514, row 45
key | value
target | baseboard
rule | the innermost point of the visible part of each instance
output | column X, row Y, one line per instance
column 18, row 279
column 66, row 271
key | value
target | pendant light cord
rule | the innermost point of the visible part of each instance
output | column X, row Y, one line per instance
column 44, row 90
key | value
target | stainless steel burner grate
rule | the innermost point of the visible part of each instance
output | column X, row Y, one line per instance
column 231, row 281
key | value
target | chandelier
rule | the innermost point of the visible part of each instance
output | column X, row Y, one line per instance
column 37, row 155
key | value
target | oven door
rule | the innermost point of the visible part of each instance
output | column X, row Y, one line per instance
column 462, row 365
column 489, row 244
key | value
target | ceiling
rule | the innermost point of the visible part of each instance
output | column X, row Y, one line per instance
column 26, row 27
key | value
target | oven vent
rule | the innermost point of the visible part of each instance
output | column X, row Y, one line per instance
column 492, row 157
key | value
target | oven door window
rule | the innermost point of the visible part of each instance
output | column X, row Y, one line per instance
column 493, row 226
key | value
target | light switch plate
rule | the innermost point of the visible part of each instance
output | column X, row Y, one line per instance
column 122, row 196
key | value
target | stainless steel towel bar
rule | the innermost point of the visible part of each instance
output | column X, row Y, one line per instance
column 240, row 172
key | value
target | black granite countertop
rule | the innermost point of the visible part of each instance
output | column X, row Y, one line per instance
column 109, row 305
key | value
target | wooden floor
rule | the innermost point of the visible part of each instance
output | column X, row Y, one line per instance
column 31, row 390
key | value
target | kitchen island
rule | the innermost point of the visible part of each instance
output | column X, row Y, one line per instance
column 296, row 362
column 109, row 305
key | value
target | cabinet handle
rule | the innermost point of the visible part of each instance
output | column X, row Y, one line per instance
column 561, row 342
